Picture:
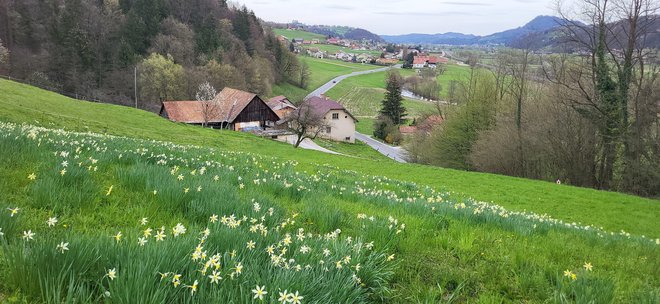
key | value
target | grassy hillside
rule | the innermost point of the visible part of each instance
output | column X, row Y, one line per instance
column 287, row 225
column 331, row 49
column 613, row 211
column 362, row 95
column 322, row 71
column 294, row 34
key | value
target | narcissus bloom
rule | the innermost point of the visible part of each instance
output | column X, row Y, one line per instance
column 160, row 235
column 13, row 211
column 62, row 247
column 295, row 298
column 28, row 235
column 112, row 273
column 259, row 292
column 51, row 221
column 284, row 297
column 215, row 277
column 588, row 266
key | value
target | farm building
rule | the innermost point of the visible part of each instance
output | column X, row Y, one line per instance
column 420, row 62
column 281, row 105
column 341, row 123
column 230, row 109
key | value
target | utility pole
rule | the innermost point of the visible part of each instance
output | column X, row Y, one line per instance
column 135, row 85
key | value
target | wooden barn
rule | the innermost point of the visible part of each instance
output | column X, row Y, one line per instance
column 231, row 109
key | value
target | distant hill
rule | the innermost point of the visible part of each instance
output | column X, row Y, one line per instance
column 446, row 38
column 344, row 32
column 540, row 23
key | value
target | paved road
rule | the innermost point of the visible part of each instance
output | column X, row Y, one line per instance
column 326, row 87
column 395, row 153
column 310, row 145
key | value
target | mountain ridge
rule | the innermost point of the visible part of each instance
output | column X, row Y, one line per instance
column 538, row 24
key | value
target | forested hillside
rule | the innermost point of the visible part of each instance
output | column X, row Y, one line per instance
column 92, row 48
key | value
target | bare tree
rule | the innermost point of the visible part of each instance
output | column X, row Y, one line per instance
column 4, row 53
column 209, row 107
column 612, row 36
column 305, row 122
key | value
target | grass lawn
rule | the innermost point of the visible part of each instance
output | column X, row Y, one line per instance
column 358, row 149
column 453, row 72
column 293, row 34
column 263, row 215
column 613, row 211
column 365, row 125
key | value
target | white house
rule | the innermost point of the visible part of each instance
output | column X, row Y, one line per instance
column 340, row 122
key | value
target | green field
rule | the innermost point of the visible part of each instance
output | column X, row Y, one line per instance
column 331, row 49
column 430, row 242
column 362, row 95
column 296, row 34
column 322, row 71
column 453, row 72
column 365, row 125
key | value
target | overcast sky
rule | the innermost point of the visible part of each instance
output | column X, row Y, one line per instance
column 392, row 17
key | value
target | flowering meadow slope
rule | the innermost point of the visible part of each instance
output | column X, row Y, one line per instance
column 96, row 218
column 614, row 211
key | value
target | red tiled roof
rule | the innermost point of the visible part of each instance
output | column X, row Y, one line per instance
column 429, row 59
column 228, row 104
column 279, row 102
column 232, row 102
column 430, row 122
column 419, row 60
column 407, row 129
column 323, row 105
column 186, row 111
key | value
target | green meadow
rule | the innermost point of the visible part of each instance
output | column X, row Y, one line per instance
column 321, row 71
column 297, row 34
column 362, row 95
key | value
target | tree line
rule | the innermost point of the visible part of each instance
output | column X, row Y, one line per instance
column 591, row 120
column 93, row 48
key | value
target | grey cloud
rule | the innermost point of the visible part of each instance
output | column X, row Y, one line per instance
column 428, row 14
column 340, row 7
column 468, row 3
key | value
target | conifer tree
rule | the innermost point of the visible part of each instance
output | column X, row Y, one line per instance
column 392, row 104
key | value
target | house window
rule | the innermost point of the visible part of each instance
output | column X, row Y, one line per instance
column 348, row 138
column 335, row 115
column 328, row 129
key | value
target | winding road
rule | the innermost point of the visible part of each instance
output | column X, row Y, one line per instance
column 395, row 153
column 332, row 83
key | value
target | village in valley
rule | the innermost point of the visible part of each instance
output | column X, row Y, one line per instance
column 278, row 118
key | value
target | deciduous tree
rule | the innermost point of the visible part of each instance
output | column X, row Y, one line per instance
column 160, row 79
column 305, row 122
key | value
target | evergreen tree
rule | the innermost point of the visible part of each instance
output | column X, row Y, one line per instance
column 392, row 104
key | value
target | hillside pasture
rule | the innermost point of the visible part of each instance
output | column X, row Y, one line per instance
column 91, row 217
column 613, row 211
column 298, row 34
